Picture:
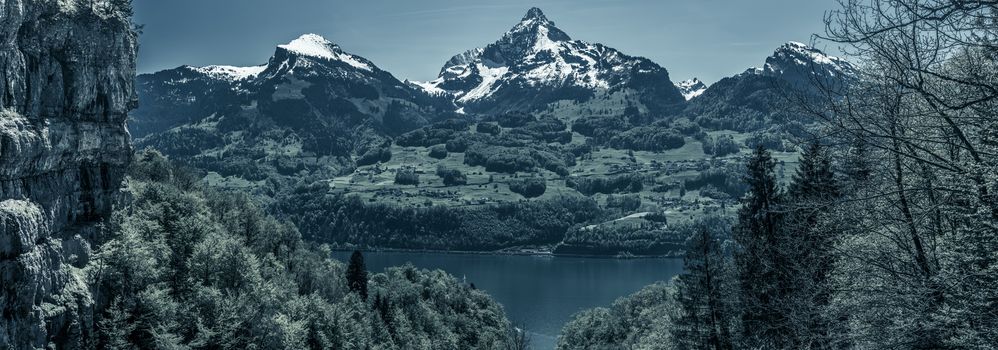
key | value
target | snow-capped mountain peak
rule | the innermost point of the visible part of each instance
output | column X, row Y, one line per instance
column 535, row 33
column 691, row 88
column 536, row 63
column 314, row 45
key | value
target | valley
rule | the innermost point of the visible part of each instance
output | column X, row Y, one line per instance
column 669, row 188
column 537, row 192
column 534, row 143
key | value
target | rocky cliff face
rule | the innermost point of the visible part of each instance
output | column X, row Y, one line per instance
column 67, row 68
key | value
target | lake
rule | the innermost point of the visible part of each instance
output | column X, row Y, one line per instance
column 539, row 293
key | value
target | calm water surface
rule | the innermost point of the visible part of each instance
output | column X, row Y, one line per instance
column 541, row 293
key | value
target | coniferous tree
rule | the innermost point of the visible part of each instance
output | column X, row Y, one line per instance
column 357, row 274
column 814, row 179
column 114, row 328
column 756, row 259
column 809, row 246
column 701, row 291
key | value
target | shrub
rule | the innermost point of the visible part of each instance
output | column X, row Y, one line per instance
column 451, row 177
column 710, row 191
column 648, row 139
column 657, row 216
column 438, row 152
column 458, row 145
column 772, row 141
column 721, row 146
column 426, row 137
column 723, row 179
column 488, row 128
column 686, row 127
column 375, row 155
column 529, row 187
column 514, row 119
column 500, row 159
column 407, row 176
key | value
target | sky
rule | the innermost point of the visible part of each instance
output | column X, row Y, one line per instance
column 708, row 39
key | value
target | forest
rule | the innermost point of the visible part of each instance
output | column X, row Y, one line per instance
column 885, row 236
column 334, row 218
column 188, row 267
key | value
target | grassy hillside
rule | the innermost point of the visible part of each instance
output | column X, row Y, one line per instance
column 474, row 173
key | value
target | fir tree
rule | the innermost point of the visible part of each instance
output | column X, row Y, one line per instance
column 383, row 306
column 357, row 274
column 814, row 180
column 757, row 235
column 809, row 245
column 704, row 320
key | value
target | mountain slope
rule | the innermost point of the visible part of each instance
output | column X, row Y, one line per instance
column 536, row 63
column 762, row 97
column 306, row 111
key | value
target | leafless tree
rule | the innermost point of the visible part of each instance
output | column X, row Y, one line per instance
column 917, row 264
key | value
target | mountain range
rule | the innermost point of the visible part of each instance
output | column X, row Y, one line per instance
column 315, row 108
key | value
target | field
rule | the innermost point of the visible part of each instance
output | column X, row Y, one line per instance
column 665, row 170
column 518, row 183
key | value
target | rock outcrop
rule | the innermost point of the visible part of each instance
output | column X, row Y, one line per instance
column 67, row 69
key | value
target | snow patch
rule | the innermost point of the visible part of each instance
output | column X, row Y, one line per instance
column 231, row 72
column 430, row 86
column 314, row 45
column 490, row 75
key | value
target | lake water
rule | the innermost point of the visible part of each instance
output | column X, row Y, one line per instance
column 540, row 293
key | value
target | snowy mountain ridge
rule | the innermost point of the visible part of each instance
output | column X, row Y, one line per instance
column 230, row 73
column 536, row 54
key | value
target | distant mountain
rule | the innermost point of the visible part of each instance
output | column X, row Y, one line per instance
column 803, row 65
column 310, row 107
column 535, row 63
column 757, row 98
column 691, row 88
column 310, row 70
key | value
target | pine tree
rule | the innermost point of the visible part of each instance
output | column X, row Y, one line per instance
column 115, row 327
column 809, row 245
column 357, row 275
column 701, row 293
column 756, row 259
column 814, row 179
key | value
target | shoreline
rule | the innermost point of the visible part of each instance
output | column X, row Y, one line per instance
column 538, row 253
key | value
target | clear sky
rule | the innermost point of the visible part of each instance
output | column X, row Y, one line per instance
column 709, row 39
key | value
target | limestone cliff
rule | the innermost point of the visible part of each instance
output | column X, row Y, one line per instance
column 66, row 73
